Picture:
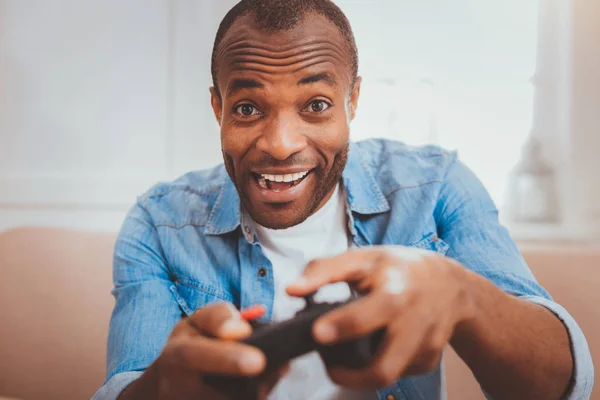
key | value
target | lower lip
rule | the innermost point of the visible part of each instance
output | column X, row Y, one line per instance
column 283, row 196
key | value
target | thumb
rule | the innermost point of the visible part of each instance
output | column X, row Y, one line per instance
column 220, row 320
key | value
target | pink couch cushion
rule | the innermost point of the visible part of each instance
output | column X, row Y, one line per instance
column 571, row 273
column 56, row 304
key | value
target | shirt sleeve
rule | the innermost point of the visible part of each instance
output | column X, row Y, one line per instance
column 146, row 309
column 468, row 223
column 113, row 388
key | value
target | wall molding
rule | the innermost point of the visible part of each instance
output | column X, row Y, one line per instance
column 73, row 192
column 554, row 233
column 97, row 204
column 101, row 221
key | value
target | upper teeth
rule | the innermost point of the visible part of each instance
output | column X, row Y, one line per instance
column 285, row 178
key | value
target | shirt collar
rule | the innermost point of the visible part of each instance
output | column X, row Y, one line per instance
column 364, row 197
column 225, row 214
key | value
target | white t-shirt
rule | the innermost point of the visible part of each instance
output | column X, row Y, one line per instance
column 323, row 234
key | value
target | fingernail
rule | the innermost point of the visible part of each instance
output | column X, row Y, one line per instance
column 325, row 332
column 233, row 326
column 250, row 362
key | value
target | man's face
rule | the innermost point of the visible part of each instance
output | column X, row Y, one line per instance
column 284, row 105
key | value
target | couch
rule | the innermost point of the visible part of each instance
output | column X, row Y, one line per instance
column 56, row 304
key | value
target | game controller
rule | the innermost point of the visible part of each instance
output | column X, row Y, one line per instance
column 283, row 341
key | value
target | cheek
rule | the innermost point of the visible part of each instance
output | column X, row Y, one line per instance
column 233, row 151
column 234, row 142
column 332, row 136
column 342, row 126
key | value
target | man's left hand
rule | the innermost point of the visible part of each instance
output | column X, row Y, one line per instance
column 420, row 298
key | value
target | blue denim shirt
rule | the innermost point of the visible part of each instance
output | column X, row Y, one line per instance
column 186, row 244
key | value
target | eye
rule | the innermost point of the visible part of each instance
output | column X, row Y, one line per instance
column 246, row 110
column 317, row 106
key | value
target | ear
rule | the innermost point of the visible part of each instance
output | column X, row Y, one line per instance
column 216, row 103
column 353, row 103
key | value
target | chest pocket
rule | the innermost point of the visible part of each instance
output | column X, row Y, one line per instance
column 431, row 242
column 192, row 295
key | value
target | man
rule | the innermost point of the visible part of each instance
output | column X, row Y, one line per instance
column 297, row 207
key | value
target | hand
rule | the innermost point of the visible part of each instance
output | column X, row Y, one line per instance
column 419, row 297
column 205, row 343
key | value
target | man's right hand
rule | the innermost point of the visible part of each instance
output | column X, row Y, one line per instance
column 204, row 343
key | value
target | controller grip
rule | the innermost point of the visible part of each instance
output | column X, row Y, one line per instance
column 352, row 354
column 284, row 341
column 281, row 342
column 234, row 387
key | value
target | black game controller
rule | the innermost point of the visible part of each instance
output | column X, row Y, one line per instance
column 286, row 340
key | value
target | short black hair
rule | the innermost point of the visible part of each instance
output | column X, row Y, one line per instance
column 281, row 15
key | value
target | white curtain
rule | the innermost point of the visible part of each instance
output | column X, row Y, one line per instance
column 454, row 73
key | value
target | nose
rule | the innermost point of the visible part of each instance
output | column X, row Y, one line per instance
column 282, row 137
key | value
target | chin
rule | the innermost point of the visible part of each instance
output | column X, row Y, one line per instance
column 280, row 216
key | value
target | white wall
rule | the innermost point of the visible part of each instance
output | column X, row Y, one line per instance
column 99, row 100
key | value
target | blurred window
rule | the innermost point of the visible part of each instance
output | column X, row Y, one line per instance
column 454, row 73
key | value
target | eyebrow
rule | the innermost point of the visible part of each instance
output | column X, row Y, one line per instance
column 239, row 84
column 322, row 77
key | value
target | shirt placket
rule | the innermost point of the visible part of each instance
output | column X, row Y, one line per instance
column 257, row 279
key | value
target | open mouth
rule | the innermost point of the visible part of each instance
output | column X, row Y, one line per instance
column 279, row 183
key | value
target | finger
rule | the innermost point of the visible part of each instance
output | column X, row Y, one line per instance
column 351, row 266
column 359, row 318
column 220, row 320
column 205, row 355
column 394, row 355
column 430, row 353
column 390, row 293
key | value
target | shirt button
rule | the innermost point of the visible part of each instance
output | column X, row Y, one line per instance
column 247, row 229
column 262, row 272
column 390, row 397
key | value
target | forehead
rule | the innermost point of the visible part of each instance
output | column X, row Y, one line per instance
column 314, row 45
